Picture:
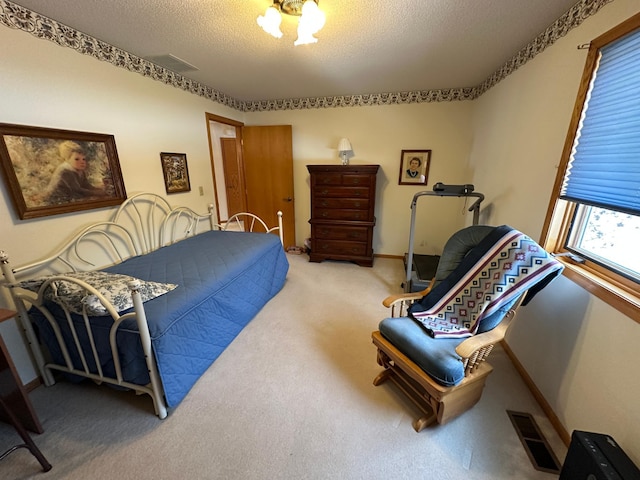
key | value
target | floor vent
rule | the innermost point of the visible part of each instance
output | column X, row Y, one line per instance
column 536, row 446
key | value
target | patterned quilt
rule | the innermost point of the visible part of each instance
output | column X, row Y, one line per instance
column 506, row 264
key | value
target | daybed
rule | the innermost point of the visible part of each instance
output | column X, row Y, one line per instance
column 172, row 292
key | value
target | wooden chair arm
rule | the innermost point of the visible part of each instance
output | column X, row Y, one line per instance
column 471, row 345
column 482, row 340
column 391, row 299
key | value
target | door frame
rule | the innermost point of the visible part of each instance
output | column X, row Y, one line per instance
column 246, row 195
column 210, row 117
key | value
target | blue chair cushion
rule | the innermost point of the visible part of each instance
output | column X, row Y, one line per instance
column 437, row 357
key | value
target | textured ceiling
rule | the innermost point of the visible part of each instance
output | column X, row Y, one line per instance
column 366, row 46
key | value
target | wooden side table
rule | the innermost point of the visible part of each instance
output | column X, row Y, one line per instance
column 15, row 406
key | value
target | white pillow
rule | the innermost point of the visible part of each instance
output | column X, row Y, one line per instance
column 113, row 286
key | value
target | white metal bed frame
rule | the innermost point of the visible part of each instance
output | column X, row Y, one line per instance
column 142, row 224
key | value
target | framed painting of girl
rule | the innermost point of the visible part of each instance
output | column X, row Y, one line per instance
column 50, row 171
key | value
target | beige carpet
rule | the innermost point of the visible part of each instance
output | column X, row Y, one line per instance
column 290, row 398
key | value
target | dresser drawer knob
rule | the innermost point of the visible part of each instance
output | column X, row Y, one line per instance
column 324, row 192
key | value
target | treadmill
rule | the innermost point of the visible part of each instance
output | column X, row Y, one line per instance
column 422, row 268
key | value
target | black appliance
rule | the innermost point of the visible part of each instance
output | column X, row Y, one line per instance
column 595, row 456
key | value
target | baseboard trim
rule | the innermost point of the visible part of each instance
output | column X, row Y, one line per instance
column 383, row 255
column 33, row 384
column 537, row 394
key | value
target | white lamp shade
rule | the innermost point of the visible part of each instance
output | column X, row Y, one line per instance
column 344, row 145
column 345, row 150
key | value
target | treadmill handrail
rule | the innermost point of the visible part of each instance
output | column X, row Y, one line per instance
column 475, row 205
column 475, row 208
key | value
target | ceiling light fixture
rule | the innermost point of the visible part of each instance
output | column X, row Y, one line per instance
column 311, row 19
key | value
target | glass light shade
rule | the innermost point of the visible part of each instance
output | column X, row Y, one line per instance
column 270, row 22
column 312, row 16
column 311, row 21
column 304, row 37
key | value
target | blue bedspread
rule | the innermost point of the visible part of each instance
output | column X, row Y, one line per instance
column 223, row 278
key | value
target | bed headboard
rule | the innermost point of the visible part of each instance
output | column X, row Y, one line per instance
column 154, row 223
column 143, row 223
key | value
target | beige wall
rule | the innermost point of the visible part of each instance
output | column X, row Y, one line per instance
column 50, row 86
column 42, row 84
column 579, row 351
column 378, row 135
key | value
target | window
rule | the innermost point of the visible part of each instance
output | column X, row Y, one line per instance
column 606, row 237
column 593, row 223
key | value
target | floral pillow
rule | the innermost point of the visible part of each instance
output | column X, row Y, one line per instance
column 113, row 286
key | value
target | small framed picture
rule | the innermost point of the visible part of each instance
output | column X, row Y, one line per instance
column 176, row 174
column 414, row 167
column 50, row 171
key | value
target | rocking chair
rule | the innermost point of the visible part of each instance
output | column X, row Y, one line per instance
column 435, row 344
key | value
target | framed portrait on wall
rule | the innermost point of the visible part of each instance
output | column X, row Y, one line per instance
column 414, row 167
column 176, row 174
column 50, row 171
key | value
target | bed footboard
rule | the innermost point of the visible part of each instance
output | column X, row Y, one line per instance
column 76, row 350
column 249, row 222
column 25, row 323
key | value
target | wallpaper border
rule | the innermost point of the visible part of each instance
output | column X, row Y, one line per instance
column 18, row 17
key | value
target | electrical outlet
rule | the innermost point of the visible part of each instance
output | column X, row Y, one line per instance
column 201, row 190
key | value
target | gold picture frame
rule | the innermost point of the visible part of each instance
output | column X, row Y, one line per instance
column 50, row 171
column 175, row 172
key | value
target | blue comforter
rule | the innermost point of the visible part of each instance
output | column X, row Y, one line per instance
column 223, row 278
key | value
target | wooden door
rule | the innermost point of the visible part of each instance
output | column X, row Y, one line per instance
column 268, row 170
column 234, row 184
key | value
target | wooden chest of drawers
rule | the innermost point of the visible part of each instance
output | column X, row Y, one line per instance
column 343, row 200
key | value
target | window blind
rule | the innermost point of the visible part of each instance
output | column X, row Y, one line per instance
column 604, row 169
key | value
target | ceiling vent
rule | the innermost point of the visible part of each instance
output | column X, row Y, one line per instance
column 173, row 63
